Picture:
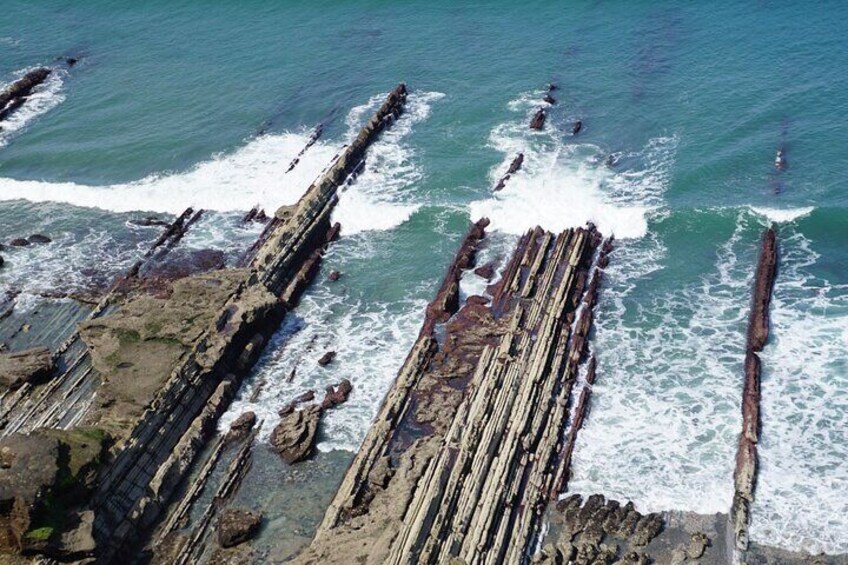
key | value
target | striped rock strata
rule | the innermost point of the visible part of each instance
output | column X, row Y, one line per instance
column 461, row 461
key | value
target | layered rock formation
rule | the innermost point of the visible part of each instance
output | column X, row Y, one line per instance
column 161, row 356
column 745, row 475
column 461, row 460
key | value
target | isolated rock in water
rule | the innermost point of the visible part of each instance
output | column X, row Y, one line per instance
column 237, row 525
column 241, row 427
column 28, row 366
column 538, row 121
column 39, row 238
column 552, row 86
column 336, row 395
column 487, row 271
column 549, row 99
column 1, row 261
column 327, row 358
column 294, row 436
column 334, row 276
column 15, row 94
column 19, row 242
column 515, row 166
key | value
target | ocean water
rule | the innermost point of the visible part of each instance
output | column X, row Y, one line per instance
column 177, row 104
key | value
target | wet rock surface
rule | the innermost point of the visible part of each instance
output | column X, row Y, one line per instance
column 538, row 120
column 237, row 525
column 14, row 96
column 745, row 474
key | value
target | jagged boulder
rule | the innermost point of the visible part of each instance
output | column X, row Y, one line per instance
column 240, row 427
column 337, row 394
column 237, row 525
column 28, row 366
column 294, row 436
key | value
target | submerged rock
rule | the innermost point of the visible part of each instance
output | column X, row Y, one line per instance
column 237, row 525
column 28, row 366
column 294, row 437
column 575, row 129
column 19, row 242
column 334, row 276
column 39, row 238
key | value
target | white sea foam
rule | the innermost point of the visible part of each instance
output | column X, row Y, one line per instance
column 81, row 260
column 254, row 174
column 783, row 215
column 371, row 339
column 44, row 98
column 664, row 419
column 566, row 185
column 802, row 487
column 382, row 196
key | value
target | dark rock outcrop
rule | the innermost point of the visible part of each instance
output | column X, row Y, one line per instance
column 16, row 93
column 538, row 121
column 327, row 358
column 575, row 129
column 745, row 474
column 237, row 525
column 334, row 276
column 335, row 395
column 514, row 167
column 39, row 238
column 19, row 242
column 29, row 366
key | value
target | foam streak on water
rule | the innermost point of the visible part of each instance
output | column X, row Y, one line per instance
column 254, row 174
column 665, row 416
column 565, row 184
column 43, row 98
column 802, row 487
column 381, row 197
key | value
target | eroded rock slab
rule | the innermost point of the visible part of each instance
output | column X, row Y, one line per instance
column 29, row 366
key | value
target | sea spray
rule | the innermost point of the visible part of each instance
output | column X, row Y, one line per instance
column 43, row 98
column 800, row 502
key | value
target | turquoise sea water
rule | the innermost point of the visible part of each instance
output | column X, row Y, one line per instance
column 193, row 103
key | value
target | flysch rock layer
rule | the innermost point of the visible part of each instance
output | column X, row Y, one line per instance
column 460, row 462
column 161, row 362
column 745, row 475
